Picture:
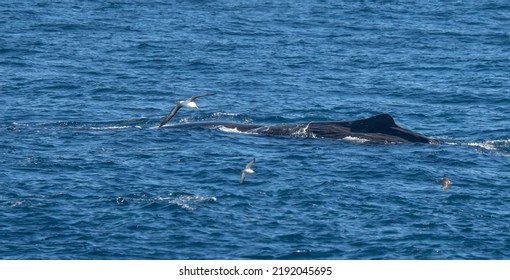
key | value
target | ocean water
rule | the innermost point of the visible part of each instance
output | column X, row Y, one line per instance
column 86, row 174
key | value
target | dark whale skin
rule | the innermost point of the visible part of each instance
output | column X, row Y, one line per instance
column 377, row 129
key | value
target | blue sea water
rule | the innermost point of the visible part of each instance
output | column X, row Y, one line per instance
column 86, row 174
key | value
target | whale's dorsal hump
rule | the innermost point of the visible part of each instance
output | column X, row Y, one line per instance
column 382, row 120
column 375, row 123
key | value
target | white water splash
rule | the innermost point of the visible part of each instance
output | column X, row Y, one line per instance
column 17, row 202
column 114, row 127
column 303, row 132
column 355, row 139
column 220, row 114
column 233, row 130
column 502, row 145
column 186, row 202
column 498, row 146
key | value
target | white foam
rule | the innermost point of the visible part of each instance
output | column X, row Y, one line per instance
column 501, row 141
column 487, row 145
column 490, row 145
column 113, row 127
column 303, row 132
column 186, row 120
column 17, row 202
column 220, row 114
column 233, row 130
column 186, row 201
column 483, row 145
column 355, row 139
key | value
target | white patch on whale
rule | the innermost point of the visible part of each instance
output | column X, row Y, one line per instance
column 355, row 139
column 232, row 130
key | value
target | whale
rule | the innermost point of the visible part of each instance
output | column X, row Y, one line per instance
column 377, row 129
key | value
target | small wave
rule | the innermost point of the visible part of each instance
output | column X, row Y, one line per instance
column 499, row 146
column 221, row 114
column 486, row 146
column 112, row 125
column 187, row 202
column 17, row 202
column 500, row 142
column 217, row 116
column 496, row 146
column 184, row 201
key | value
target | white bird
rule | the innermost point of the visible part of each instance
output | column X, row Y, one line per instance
column 247, row 169
column 188, row 103
column 445, row 182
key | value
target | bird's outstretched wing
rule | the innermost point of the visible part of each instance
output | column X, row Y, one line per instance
column 248, row 166
column 243, row 174
column 191, row 99
column 170, row 115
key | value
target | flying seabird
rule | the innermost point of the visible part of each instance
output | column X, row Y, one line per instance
column 188, row 103
column 247, row 169
column 445, row 182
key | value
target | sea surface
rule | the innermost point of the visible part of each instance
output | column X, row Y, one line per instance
column 85, row 172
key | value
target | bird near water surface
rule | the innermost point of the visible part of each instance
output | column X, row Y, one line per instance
column 188, row 103
column 445, row 182
column 246, row 169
